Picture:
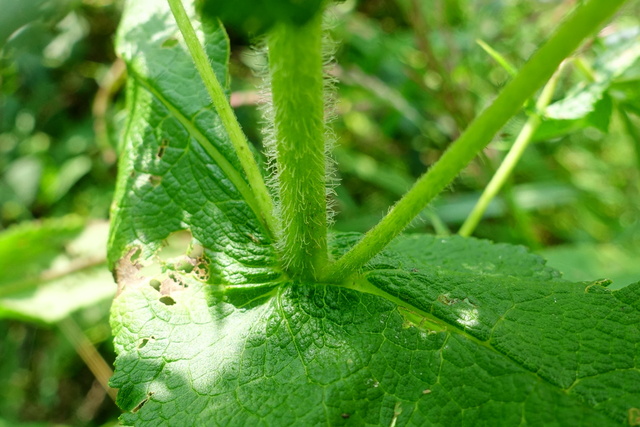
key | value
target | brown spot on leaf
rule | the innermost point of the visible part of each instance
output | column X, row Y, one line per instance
column 253, row 238
column 127, row 271
column 446, row 299
column 171, row 285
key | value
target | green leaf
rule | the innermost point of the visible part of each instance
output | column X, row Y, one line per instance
column 177, row 168
column 53, row 268
column 626, row 89
column 598, row 117
column 257, row 16
column 621, row 51
column 436, row 331
column 588, row 104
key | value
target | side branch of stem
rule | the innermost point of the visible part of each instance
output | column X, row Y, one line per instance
column 511, row 160
column 585, row 20
column 227, row 116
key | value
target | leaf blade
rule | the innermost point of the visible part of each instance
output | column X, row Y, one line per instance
column 323, row 354
column 178, row 169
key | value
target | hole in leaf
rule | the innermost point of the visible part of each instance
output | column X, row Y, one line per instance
column 151, row 270
column 167, row 300
column 176, row 244
column 144, row 341
column 345, row 415
column 155, row 180
column 201, row 271
column 184, row 266
column 163, row 145
column 169, row 43
column 197, row 250
column 155, row 284
column 446, row 299
column 141, row 404
column 135, row 255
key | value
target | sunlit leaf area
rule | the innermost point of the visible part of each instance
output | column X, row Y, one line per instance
column 142, row 281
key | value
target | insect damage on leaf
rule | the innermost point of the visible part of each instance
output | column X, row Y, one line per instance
column 127, row 272
column 390, row 349
column 168, row 271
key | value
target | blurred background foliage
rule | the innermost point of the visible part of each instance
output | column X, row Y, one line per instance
column 410, row 74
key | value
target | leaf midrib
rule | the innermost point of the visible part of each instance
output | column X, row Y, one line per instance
column 363, row 285
column 220, row 160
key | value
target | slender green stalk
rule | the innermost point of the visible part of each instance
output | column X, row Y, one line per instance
column 498, row 58
column 512, row 158
column 297, row 88
column 227, row 116
column 438, row 224
column 586, row 19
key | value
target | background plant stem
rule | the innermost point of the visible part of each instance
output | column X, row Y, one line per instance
column 511, row 160
column 227, row 116
column 580, row 24
column 297, row 88
column 89, row 354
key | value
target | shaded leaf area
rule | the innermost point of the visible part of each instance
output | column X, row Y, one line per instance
column 178, row 170
column 415, row 340
column 45, row 283
column 256, row 17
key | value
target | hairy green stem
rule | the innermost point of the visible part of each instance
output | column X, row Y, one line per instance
column 586, row 19
column 511, row 160
column 297, row 88
column 227, row 116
